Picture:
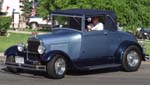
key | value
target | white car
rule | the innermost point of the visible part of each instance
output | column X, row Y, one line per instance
column 36, row 22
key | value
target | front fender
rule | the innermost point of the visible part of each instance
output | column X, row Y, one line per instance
column 48, row 56
column 123, row 46
column 11, row 51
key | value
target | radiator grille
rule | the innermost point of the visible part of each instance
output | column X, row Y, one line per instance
column 33, row 45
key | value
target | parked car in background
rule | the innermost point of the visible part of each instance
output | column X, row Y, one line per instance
column 36, row 22
column 143, row 33
column 2, row 13
column 71, row 46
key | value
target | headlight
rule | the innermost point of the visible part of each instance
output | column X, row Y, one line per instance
column 41, row 49
column 20, row 47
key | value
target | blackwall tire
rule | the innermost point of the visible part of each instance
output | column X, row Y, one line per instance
column 11, row 69
column 56, row 68
column 131, row 59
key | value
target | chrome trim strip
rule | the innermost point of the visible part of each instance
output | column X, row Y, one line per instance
column 26, row 66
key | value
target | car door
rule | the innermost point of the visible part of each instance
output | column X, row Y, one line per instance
column 113, row 39
column 94, row 48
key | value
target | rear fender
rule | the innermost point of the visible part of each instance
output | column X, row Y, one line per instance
column 123, row 46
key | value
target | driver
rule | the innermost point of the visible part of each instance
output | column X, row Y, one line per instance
column 95, row 25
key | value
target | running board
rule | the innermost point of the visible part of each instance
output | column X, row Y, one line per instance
column 103, row 66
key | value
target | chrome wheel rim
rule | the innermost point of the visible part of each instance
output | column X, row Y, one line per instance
column 60, row 66
column 133, row 58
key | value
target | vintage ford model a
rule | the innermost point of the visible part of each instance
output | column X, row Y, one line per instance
column 71, row 46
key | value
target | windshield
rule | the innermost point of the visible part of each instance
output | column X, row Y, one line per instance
column 69, row 22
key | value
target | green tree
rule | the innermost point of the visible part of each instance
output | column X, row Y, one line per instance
column 4, row 24
column 27, row 6
column 130, row 13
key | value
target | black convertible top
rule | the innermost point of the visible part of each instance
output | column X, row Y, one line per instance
column 86, row 12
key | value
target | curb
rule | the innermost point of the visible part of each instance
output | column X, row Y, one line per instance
column 23, row 32
column 2, row 58
column 1, row 54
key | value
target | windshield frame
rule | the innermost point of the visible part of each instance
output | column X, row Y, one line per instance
column 82, row 20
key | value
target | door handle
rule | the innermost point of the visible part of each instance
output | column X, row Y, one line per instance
column 105, row 33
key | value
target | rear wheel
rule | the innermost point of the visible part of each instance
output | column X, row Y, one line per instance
column 11, row 59
column 56, row 68
column 131, row 59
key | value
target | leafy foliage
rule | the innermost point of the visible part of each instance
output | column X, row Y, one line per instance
column 131, row 13
column 4, row 24
column 27, row 6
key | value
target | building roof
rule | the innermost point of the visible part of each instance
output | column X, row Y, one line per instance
column 86, row 12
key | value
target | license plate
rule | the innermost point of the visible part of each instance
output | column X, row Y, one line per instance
column 19, row 60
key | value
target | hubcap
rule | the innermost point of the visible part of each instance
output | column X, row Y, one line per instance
column 60, row 66
column 133, row 58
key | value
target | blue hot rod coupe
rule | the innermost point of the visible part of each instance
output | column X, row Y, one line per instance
column 71, row 45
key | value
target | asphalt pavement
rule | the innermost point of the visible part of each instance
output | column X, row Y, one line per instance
column 111, row 76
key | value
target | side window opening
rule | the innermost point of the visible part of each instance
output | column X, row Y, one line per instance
column 67, row 22
column 75, row 23
column 95, row 23
column 109, row 24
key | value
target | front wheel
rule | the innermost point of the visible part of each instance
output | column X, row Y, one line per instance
column 11, row 59
column 131, row 59
column 56, row 68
